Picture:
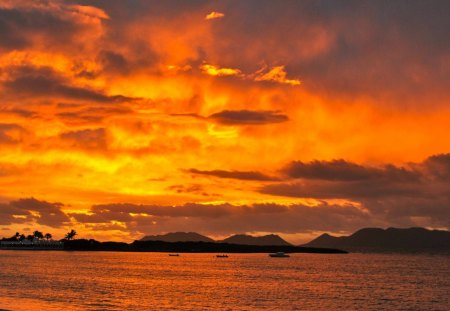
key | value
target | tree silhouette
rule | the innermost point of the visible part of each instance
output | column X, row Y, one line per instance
column 70, row 235
column 48, row 236
column 38, row 234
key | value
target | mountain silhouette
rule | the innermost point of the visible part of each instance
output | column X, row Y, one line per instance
column 178, row 237
column 244, row 239
column 390, row 239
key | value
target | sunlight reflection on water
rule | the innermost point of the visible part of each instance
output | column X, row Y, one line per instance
column 154, row 281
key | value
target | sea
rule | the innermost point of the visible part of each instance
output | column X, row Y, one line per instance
column 62, row 280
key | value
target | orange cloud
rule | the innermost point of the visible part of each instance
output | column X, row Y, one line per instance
column 214, row 15
column 217, row 71
column 276, row 74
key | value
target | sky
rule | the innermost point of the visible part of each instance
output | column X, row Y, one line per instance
column 125, row 118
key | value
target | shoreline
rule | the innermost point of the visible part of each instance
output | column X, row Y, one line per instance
column 177, row 247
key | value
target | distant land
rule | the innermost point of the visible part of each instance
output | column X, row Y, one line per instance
column 178, row 237
column 239, row 239
column 179, row 242
column 244, row 239
column 391, row 239
column 364, row 240
column 190, row 247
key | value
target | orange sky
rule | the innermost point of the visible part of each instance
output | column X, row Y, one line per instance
column 120, row 120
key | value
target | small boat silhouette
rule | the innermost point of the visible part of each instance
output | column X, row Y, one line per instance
column 279, row 254
column 222, row 256
column 174, row 255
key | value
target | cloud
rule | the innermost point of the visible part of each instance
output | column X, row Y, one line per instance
column 276, row 74
column 11, row 133
column 196, row 189
column 83, row 115
column 240, row 117
column 18, row 112
column 29, row 23
column 114, row 61
column 33, row 210
column 217, row 71
column 353, row 190
column 438, row 166
column 341, row 170
column 44, row 82
column 214, row 15
column 226, row 218
column 400, row 195
column 89, row 139
column 248, row 117
column 233, row 174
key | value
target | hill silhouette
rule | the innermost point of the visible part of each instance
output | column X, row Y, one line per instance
column 238, row 239
column 244, row 239
column 391, row 239
column 178, row 237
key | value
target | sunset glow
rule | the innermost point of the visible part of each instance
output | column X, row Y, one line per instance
column 222, row 117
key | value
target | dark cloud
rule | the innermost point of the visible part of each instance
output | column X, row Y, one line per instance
column 138, row 9
column 137, row 56
column 439, row 166
column 396, row 203
column 227, row 218
column 419, row 193
column 240, row 117
column 249, row 175
column 113, row 61
column 19, row 112
column 339, row 47
column 354, row 190
column 87, row 138
column 74, row 118
column 193, row 188
column 11, row 133
column 341, row 170
column 81, row 114
column 32, row 210
column 19, row 27
column 334, row 46
column 10, row 214
column 44, row 82
column 248, row 117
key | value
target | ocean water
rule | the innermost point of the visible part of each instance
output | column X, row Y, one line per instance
column 52, row 280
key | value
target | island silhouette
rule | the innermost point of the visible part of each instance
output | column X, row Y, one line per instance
column 390, row 239
column 240, row 239
column 367, row 239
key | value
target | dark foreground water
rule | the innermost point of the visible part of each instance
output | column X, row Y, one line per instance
column 42, row 280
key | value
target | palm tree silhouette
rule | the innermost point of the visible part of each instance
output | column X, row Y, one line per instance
column 48, row 236
column 38, row 234
column 70, row 235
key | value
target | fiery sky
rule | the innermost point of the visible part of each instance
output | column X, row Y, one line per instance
column 123, row 118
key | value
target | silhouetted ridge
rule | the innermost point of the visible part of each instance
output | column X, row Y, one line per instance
column 414, row 239
column 244, row 239
column 239, row 239
column 178, row 237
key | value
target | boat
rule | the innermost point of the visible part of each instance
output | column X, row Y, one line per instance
column 222, row 256
column 174, row 255
column 279, row 255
